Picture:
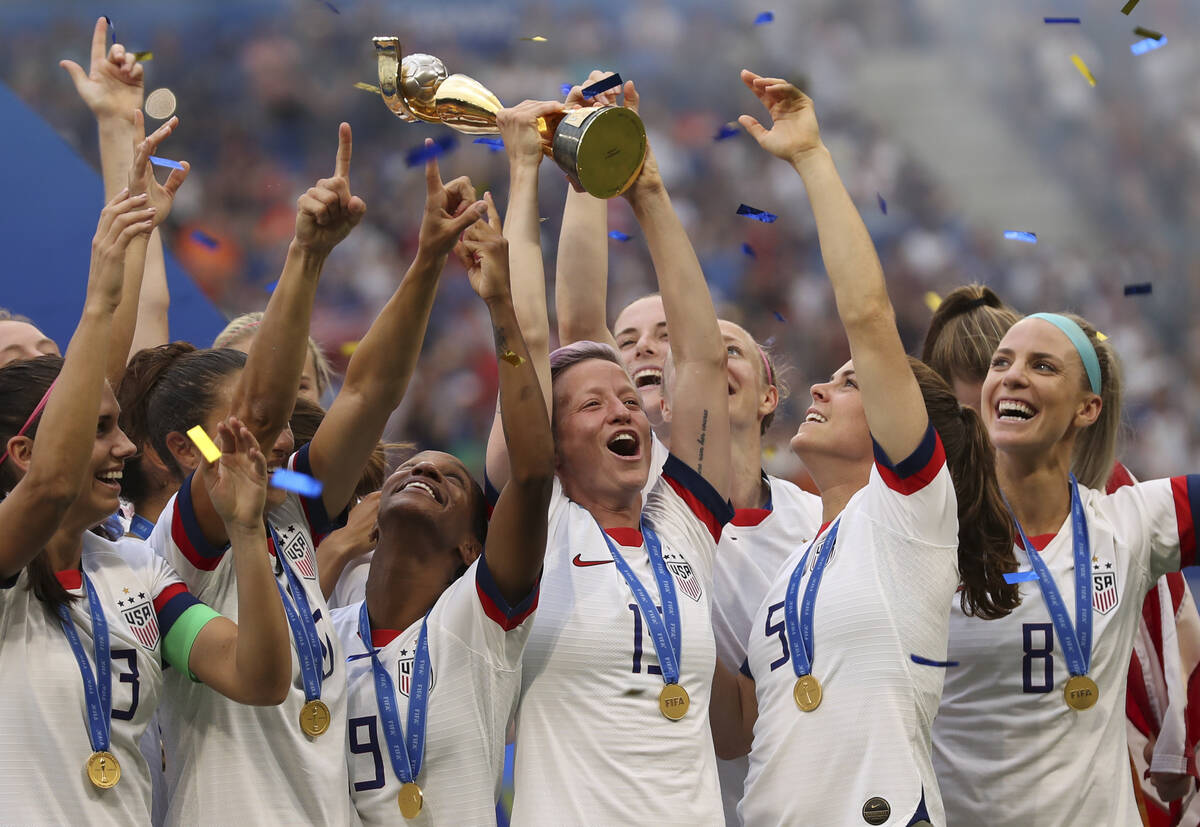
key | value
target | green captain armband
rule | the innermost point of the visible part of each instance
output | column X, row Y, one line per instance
column 177, row 645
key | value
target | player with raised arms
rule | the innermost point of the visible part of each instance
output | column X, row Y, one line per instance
column 612, row 725
column 1032, row 728
column 847, row 651
column 87, row 626
column 772, row 516
column 286, row 764
column 435, row 648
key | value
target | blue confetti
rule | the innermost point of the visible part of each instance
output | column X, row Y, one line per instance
column 165, row 162
column 493, row 144
column 201, row 237
column 420, row 154
column 565, row 89
column 618, row 235
column 1060, row 19
column 302, row 484
column 726, row 131
column 112, row 31
column 882, row 204
column 1147, row 45
column 1138, row 289
column 944, row 664
column 1020, row 577
column 332, row 7
column 764, row 17
column 748, row 250
column 1021, row 235
column 769, row 342
column 757, row 214
column 779, row 317
column 602, row 85
column 270, row 288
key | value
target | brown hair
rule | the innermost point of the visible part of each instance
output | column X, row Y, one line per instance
column 7, row 315
column 964, row 332
column 22, row 385
column 985, row 528
column 1096, row 446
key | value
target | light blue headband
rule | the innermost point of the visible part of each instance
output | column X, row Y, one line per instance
column 1087, row 351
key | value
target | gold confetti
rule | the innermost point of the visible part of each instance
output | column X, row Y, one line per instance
column 1150, row 33
column 1083, row 70
column 933, row 301
column 197, row 435
column 348, row 348
column 160, row 104
column 367, row 87
column 537, row 38
column 142, row 57
column 543, row 220
column 512, row 358
column 1101, row 336
column 1128, row 7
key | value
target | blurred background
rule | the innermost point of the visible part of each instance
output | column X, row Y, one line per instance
column 964, row 119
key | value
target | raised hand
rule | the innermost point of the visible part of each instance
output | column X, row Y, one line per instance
column 113, row 87
column 123, row 218
column 575, row 98
column 518, row 128
column 237, row 482
column 328, row 212
column 484, row 252
column 141, row 174
column 794, row 132
column 449, row 209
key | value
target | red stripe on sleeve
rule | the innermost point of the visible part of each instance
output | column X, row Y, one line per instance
column 1181, row 488
column 166, row 594
column 179, row 536
column 697, row 507
column 497, row 614
column 914, row 482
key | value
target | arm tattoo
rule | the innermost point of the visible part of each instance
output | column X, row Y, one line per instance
column 700, row 440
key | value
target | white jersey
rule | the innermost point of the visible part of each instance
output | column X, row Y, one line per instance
column 658, row 457
column 224, row 757
column 44, row 734
column 475, row 641
column 351, row 586
column 592, row 746
column 882, row 600
column 1008, row 749
column 753, row 546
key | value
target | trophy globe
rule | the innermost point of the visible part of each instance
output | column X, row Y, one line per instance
column 420, row 76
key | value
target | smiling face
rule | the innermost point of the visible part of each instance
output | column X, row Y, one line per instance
column 21, row 340
column 641, row 334
column 835, row 425
column 101, row 496
column 602, row 435
column 1035, row 395
column 435, row 488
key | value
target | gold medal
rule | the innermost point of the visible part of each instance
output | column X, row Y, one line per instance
column 1081, row 692
column 410, row 800
column 673, row 701
column 807, row 693
column 314, row 718
column 103, row 770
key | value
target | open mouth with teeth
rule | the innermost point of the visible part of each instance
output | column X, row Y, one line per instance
column 421, row 487
column 626, row 445
column 813, row 416
column 647, row 377
column 111, row 478
column 1011, row 410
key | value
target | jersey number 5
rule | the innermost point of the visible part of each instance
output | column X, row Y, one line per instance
column 1037, row 666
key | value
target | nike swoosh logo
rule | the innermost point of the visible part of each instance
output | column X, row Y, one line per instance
column 582, row 563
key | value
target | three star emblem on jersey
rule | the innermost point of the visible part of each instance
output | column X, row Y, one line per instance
column 139, row 613
column 405, row 669
column 1104, row 587
column 685, row 578
column 295, row 548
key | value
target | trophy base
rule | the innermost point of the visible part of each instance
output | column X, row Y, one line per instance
column 602, row 149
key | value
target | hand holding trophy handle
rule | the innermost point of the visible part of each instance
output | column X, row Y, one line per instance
column 601, row 149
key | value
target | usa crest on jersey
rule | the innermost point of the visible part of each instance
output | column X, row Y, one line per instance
column 405, row 669
column 140, row 615
column 1104, row 587
column 295, row 549
column 685, row 578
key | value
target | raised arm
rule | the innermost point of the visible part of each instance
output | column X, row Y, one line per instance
column 112, row 89
column 516, row 541
column 522, row 230
column 700, row 397
column 249, row 661
column 891, row 398
column 384, row 360
column 56, row 463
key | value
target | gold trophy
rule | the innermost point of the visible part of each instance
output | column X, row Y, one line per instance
column 600, row 148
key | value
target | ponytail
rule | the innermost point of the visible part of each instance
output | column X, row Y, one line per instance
column 985, row 528
column 141, row 375
column 964, row 332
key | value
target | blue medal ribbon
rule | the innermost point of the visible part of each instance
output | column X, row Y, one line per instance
column 1077, row 648
column 800, row 623
column 140, row 527
column 97, row 688
column 304, row 628
column 406, row 753
column 665, row 629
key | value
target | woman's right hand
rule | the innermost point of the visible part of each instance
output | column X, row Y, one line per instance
column 794, row 132
column 123, row 218
column 114, row 87
column 237, row 481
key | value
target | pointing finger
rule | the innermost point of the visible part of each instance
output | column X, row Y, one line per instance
column 341, row 168
column 433, row 176
column 99, row 40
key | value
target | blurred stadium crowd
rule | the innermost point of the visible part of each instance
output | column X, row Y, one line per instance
column 262, row 85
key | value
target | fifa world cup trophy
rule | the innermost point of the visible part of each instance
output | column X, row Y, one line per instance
column 601, row 149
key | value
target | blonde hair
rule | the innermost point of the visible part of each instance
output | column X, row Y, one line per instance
column 246, row 325
column 965, row 331
column 1096, row 446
